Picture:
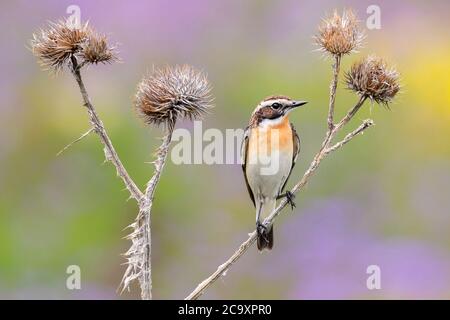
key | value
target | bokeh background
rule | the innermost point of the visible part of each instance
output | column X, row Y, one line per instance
column 383, row 199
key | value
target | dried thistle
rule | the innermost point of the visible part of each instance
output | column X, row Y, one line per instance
column 97, row 50
column 58, row 43
column 374, row 79
column 162, row 97
column 173, row 92
column 340, row 35
column 55, row 45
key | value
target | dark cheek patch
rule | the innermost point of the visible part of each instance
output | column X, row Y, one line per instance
column 266, row 113
column 269, row 113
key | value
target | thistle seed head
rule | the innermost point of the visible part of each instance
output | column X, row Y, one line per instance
column 97, row 50
column 373, row 78
column 173, row 92
column 339, row 35
column 55, row 45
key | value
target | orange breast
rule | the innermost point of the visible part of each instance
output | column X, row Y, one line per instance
column 262, row 138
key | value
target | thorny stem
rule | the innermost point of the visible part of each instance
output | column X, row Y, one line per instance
column 145, row 215
column 110, row 152
column 324, row 150
column 333, row 87
column 366, row 123
column 140, row 254
column 142, row 234
column 350, row 113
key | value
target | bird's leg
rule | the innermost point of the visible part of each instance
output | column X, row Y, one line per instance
column 261, row 229
column 289, row 197
column 259, row 225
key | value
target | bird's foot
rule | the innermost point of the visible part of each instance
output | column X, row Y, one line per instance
column 262, row 230
column 289, row 197
column 260, row 226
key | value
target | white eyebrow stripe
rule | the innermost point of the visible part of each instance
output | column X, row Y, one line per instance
column 269, row 103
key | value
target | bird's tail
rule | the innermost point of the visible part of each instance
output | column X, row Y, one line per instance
column 265, row 236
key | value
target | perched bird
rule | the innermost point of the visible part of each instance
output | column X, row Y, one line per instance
column 268, row 154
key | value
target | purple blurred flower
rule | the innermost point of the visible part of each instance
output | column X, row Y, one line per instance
column 330, row 252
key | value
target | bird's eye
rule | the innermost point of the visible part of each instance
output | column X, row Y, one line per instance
column 276, row 106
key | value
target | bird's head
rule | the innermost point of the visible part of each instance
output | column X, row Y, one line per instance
column 274, row 109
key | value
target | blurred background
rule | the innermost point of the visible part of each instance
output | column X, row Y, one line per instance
column 381, row 200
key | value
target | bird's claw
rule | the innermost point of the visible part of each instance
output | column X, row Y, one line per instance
column 260, row 226
column 289, row 197
column 261, row 229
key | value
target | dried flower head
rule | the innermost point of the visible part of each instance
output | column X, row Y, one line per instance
column 96, row 50
column 340, row 35
column 173, row 92
column 61, row 40
column 372, row 78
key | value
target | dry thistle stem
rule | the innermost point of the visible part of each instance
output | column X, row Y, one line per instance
column 161, row 98
column 173, row 92
column 373, row 78
column 55, row 45
column 339, row 35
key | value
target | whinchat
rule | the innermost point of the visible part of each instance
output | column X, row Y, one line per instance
column 269, row 151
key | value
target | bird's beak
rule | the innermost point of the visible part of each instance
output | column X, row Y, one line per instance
column 296, row 104
column 293, row 105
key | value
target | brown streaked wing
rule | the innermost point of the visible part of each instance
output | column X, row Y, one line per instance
column 244, row 150
column 296, row 143
column 295, row 153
